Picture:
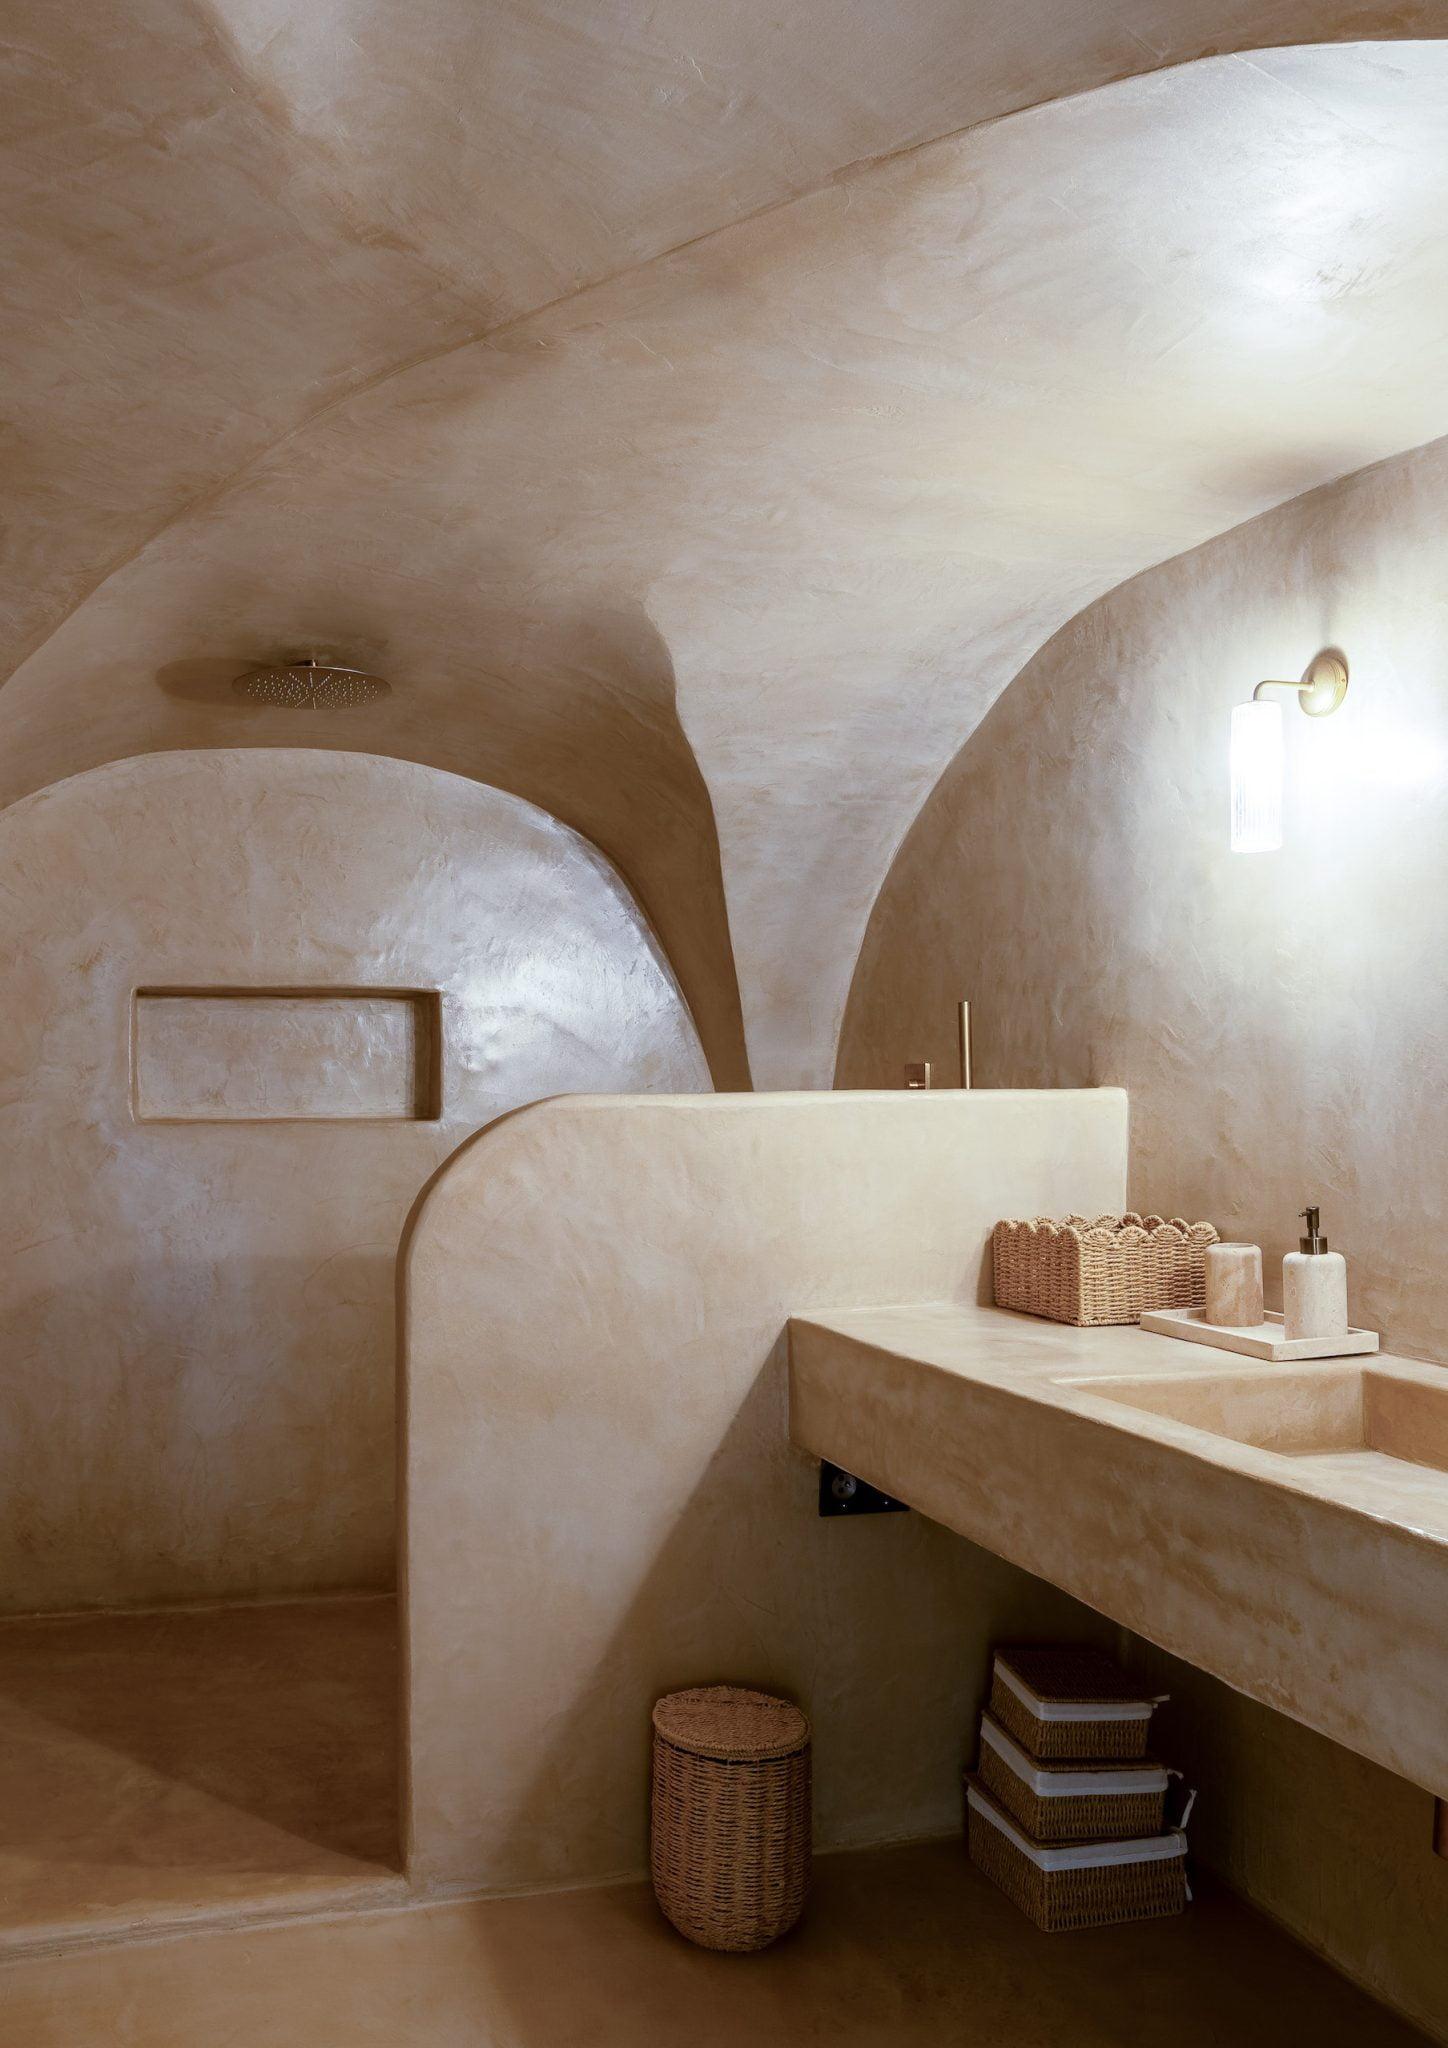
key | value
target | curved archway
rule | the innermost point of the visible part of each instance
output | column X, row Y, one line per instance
column 753, row 535
column 213, row 1134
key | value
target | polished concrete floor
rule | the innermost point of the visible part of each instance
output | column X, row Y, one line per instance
column 901, row 1948
column 162, row 1772
column 173, row 1767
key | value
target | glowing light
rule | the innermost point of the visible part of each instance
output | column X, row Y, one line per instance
column 1257, row 755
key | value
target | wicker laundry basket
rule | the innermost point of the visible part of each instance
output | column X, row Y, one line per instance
column 1066, row 1701
column 731, row 1815
column 1071, row 1799
column 1085, row 1884
column 1111, row 1270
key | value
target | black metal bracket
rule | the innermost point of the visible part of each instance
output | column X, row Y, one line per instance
column 842, row 1494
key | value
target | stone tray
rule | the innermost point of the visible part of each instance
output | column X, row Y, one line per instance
column 1265, row 1340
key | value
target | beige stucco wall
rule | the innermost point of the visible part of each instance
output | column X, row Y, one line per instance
column 1281, row 1021
column 1334, row 1847
column 722, row 558
column 196, row 1317
column 601, row 1498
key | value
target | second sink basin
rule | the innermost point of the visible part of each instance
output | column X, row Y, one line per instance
column 1299, row 1412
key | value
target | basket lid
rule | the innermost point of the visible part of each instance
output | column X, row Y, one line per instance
column 731, row 1722
column 1074, row 1675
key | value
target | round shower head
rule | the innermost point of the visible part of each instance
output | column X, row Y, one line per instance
column 310, row 685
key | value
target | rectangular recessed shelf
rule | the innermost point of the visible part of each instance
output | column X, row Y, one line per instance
column 279, row 1055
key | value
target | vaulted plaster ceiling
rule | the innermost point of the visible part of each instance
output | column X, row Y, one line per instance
column 688, row 473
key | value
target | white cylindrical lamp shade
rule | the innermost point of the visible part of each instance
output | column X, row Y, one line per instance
column 1257, row 754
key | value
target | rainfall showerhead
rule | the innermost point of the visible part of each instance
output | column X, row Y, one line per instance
column 310, row 685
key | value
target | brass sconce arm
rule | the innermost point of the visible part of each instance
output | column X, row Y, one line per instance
column 1323, row 685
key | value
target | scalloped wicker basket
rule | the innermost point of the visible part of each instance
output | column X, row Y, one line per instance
column 1108, row 1270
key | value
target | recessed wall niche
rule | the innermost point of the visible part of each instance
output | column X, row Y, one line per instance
column 198, row 1322
column 285, row 1055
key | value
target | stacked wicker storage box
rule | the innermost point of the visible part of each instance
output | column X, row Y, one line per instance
column 1066, row 1812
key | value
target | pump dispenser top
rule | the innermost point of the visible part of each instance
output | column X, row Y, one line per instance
column 1314, row 1244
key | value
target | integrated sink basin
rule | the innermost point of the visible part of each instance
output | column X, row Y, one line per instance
column 1299, row 1412
column 1284, row 1527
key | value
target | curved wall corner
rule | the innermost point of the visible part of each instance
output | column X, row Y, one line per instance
column 600, row 1498
column 251, row 998
column 1273, row 1015
column 770, row 523
column 1280, row 1020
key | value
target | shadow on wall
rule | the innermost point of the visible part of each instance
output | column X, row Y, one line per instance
column 1276, row 1018
column 1376, row 1895
column 693, row 1622
column 573, row 708
column 255, row 1396
column 634, row 1264
column 197, row 1314
column 1271, row 1014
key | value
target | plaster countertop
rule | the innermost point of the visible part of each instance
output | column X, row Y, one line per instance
column 1315, row 1584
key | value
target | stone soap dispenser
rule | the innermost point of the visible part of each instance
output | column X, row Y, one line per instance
column 1314, row 1287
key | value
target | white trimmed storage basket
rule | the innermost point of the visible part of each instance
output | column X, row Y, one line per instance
column 1110, row 1270
column 1071, row 1801
column 1088, row 1884
column 1068, row 1702
column 730, row 1836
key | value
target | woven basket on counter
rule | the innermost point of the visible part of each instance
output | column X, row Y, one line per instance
column 1111, row 1270
column 1071, row 1799
column 730, row 1849
column 1089, row 1884
column 1068, row 1701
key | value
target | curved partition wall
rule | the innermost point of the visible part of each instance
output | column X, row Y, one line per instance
column 600, row 1498
column 753, row 456
column 251, row 999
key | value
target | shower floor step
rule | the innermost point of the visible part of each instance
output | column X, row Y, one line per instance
column 164, row 1769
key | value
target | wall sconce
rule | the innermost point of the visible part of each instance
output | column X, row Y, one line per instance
column 1258, row 752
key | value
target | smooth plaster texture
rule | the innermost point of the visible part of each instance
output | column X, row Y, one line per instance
column 1278, row 1019
column 197, row 1318
column 291, row 205
column 908, row 1947
column 1333, row 1847
column 1230, row 1511
column 600, row 1498
column 243, row 1057
column 168, row 1769
column 713, row 529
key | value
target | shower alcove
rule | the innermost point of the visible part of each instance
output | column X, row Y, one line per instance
column 252, row 999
